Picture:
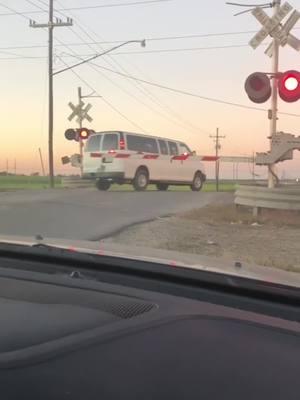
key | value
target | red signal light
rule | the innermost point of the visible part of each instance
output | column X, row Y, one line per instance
column 83, row 133
column 289, row 86
column 258, row 87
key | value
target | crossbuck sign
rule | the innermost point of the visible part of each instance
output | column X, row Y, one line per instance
column 80, row 112
column 272, row 26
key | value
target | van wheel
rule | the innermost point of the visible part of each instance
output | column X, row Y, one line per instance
column 102, row 184
column 162, row 186
column 197, row 184
column 141, row 180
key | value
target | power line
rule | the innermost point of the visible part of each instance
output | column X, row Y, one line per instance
column 192, row 49
column 141, row 88
column 137, row 85
column 80, row 8
column 84, row 81
column 148, row 39
column 14, row 12
column 186, row 93
column 105, row 100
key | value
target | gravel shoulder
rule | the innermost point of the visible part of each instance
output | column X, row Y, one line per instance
column 221, row 231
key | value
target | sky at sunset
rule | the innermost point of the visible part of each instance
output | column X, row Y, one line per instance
column 202, row 67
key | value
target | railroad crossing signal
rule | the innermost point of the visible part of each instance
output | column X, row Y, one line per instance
column 272, row 26
column 258, row 86
column 289, row 86
column 80, row 112
column 78, row 134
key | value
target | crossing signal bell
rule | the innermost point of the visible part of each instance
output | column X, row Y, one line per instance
column 289, row 86
column 258, row 87
column 77, row 134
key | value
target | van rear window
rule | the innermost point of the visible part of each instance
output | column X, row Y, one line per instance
column 93, row 143
column 142, row 144
column 110, row 141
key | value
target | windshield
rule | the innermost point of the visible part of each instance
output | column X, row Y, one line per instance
column 167, row 129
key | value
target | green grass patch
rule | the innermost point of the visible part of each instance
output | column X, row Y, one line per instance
column 19, row 182
column 208, row 187
column 40, row 182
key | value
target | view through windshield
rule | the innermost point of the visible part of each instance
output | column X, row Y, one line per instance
column 164, row 129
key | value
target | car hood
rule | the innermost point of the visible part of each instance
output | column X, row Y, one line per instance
column 173, row 258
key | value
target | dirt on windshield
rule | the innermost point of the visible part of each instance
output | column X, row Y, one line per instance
column 224, row 231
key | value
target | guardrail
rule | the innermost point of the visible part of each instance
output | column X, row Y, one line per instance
column 74, row 182
column 258, row 197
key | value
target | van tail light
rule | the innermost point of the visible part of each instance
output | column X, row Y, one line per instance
column 122, row 144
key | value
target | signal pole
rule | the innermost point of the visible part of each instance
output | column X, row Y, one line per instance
column 274, row 98
column 80, row 126
column 51, row 25
column 217, row 138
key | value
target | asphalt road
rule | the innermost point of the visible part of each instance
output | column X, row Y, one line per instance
column 88, row 214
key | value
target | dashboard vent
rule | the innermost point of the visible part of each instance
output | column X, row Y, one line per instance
column 127, row 309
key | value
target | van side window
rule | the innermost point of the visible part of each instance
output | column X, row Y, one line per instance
column 110, row 141
column 93, row 143
column 163, row 147
column 142, row 144
column 184, row 148
column 173, row 148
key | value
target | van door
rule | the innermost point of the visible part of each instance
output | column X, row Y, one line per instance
column 182, row 164
column 189, row 163
column 92, row 154
column 175, row 173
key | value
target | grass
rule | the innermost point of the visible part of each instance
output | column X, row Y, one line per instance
column 208, row 187
column 40, row 182
column 25, row 182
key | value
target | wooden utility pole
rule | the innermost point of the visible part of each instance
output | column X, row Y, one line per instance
column 217, row 138
column 50, row 26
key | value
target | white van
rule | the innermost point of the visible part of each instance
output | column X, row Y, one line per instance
column 123, row 157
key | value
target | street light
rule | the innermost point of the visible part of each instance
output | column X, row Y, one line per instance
column 51, row 75
column 142, row 42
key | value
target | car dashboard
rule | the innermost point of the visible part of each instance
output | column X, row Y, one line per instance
column 79, row 335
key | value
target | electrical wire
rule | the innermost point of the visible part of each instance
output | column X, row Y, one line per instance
column 74, row 32
column 80, row 8
column 186, row 93
column 137, row 85
column 158, row 51
column 105, row 100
